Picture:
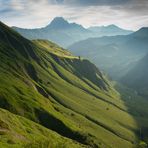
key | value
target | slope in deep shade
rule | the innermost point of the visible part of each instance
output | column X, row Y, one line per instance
column 67, row 95
column 137, row 77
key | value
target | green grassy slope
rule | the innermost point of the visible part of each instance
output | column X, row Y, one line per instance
column 66, row 94
column 28, row 134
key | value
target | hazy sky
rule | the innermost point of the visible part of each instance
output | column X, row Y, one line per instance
column 130, row 14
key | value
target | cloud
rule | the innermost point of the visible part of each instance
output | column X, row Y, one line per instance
column 29, row 13
column 95, row 2
column 130, row 14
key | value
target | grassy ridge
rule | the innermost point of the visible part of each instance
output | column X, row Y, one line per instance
column 28, row 134
column 69, row 95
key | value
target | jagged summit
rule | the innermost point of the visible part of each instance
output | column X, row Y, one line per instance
column 58, row 22
column 62, row 23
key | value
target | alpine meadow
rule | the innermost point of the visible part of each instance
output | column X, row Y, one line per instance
column 73, row 74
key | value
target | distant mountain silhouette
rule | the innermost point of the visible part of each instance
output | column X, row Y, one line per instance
column 58, row 23
column 61, row 23
column 64, row 33
column 114, row 54
column 143, row 32
column 59, row 31
column 109, row 30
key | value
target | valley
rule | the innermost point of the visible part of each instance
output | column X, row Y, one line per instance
column 56, row 97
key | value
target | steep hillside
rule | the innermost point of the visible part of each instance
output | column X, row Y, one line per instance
column 137, row 77
column 16, row 131
column 114, row 54
column 68, row 97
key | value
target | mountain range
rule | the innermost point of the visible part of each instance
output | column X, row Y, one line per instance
column 110, row 30
column 114, row 54
column 64, row 33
